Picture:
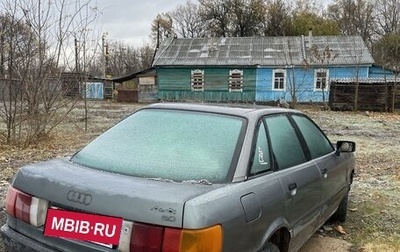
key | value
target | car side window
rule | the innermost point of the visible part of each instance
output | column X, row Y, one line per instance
column 285, row 143
column 318, row 144
column 261, row 158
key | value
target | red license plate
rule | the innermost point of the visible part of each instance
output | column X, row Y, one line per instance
column 83, row 226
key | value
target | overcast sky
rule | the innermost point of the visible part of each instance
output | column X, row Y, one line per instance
column 129, row 21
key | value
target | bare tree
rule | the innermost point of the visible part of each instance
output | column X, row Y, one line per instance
column 387, row 53
column 309, row 6
column 35, row 104
column 126, row 59
column 16, row 44
column 354, row 17
column 298, row 76
column 278, row 19
column 247, row 17
column 306, row 15
column 216, row 16
column 146, row 53
column 186, row 21
column 323, row 57
column 387, row 13
column 123, row 59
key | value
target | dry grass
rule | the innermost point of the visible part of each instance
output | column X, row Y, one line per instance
column 373, row 222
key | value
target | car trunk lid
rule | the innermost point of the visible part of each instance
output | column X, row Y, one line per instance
column 78, row 188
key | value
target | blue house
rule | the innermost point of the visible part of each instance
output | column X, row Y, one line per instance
column 258, row 69
column 381, row 72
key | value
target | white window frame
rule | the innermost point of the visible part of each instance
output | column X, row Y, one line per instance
column 275, row 78
column 197, row 80
column 319, row 80
column 236, row 80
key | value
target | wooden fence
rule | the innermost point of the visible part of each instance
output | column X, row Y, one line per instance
column 377, row 94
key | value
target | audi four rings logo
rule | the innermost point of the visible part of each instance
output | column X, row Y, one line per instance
column 79, row 197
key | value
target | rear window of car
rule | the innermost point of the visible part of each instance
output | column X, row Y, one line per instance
column 167, row 144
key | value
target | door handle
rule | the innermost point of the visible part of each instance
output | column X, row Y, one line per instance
column 292, row 186
column 293, row 189
column 324, row 173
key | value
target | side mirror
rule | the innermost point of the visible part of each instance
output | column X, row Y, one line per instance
column 345, row 146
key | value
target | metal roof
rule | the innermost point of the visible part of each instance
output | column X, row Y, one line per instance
column 263, row 51
column 145, row 72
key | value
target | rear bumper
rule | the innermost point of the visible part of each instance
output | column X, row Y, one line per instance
column 15, row 242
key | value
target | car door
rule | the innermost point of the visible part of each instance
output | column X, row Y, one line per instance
column 333, row 185
column 300, row 178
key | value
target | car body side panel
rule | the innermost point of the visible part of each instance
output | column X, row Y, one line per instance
column 335, row 181
column 224, row 206
column 302, row 202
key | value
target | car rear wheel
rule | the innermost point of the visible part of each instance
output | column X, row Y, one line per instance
column 270, row 247
column 341, row 212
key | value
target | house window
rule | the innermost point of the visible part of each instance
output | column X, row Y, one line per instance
column 236, row 80
column 279, row 79
column 321, row 79
column 197, row 80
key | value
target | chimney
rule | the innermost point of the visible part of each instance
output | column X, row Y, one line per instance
column 309, row 37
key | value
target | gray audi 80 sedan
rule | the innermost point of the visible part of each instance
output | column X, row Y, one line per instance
column 185, row 178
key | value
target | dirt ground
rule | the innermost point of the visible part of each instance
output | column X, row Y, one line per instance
column 373, row 222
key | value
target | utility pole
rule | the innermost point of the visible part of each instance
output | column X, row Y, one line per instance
column 105, row 52
column 76, row 56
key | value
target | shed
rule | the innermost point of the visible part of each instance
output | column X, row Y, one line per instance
column 73, row 84
column 376, row 94
column 136, row 87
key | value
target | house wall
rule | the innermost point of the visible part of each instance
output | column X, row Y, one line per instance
column 147, row 89
column 302, row 81
column 380, row 72
column 130, row 84
column 175, row 84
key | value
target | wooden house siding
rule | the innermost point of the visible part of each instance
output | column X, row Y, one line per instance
column 265, row 83
column 348, row 71
column 175, row 84
column 302, row 80
column 380, row 72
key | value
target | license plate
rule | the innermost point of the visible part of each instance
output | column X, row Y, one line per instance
column 83, row 226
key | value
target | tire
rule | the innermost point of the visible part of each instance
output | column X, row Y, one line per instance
column 341, row 213
column 270, row 247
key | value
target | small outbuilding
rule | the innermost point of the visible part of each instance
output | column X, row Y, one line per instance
column 375, row 94
column 136, row 87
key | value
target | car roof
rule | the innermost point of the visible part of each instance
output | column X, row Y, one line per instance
column 243, row 110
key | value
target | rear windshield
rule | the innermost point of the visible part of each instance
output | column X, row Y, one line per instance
column 167, row 144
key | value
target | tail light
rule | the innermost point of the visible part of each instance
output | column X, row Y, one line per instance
column 208, row 239
column 138, row 237
column 25, row 207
